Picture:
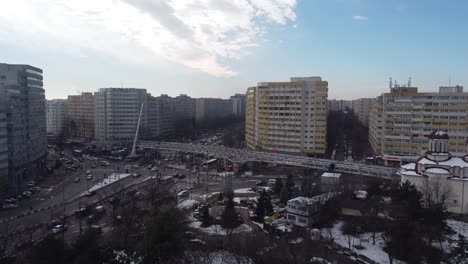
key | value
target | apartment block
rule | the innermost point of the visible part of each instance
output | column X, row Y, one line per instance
column 238, row 105
column 116, row 113
column 339, row 105
column 81, row 115
column 401, row 120
column 23, row 101
column 361, row 108
column 56, row 116
column 184, row 107
column 161, row 116
column 3, row 147
column 288, row 117
column 212, row 108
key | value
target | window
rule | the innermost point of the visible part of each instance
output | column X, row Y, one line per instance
column 291, row 217
column 302, row 220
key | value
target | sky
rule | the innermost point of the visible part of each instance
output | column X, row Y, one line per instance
column 216, row 48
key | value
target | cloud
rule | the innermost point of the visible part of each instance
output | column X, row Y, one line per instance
column 360, row 18
column 199, row 34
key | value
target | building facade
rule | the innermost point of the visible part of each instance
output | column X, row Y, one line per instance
column 212, row 108
column 288, row 116
column 339, row 105
column 238, row 105
column 400, row 120
column 161, row 116
column 116, row 113
column 56, row 116
column 23, row 99
column 184, row 107
column 440, row 176
column 303, row 211
column 361, row 108
column 81, row 116
column 3, row 147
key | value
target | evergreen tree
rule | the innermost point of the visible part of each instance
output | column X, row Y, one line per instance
column 230, row 219
column 264, row 206
column 278, row 186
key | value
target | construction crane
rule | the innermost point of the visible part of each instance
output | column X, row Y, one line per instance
column 133, row 153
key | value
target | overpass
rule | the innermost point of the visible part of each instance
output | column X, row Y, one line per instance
column 241, row 156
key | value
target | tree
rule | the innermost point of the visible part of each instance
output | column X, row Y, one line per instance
column 51, row 250
column 278, row 186
column 264, row 206
column 86, row 249
column 371, row 220
column 164, row 236
column 230, row 220
column 306, row 186
column 206, row 218
column 350, row 230
column 437, row 190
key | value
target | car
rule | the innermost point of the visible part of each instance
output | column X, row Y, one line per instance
column 261, row 183
column 77, row 179
column 100, row 209
column 59, row 229
column 88, row 171
column 89, row 177
column 136, row 175
column 9, row 205
column 36, row 188
column 183, row 194
column 54, row 223
column 95, row 228
column 31, row 184
column 27, row 194
column 90, row 193
column 81, row 212
column 154, row 169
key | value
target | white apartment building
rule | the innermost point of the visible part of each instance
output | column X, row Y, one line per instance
column 400, row 121
column 361, row 108
column 23, row 99
column 439, row 175
column 116, row 114
column 56, row 115
column 212, row 108
column 288, row 117
column 303, row 211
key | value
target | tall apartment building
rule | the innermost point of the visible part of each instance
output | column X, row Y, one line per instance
column 81, row 115
column 361, row 108
column 238, row 105
column 116, row 114
column 56, row 116
column 184, row 107
column 212, row 108
column 288, row 116
column 3, row 147
column 23, row 101
column 339, row 105
column 161, row 116
column 401, row 119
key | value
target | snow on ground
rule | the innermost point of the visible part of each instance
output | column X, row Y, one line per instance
column 244, row 191
column 208, row 196
column 111, row 179
column 219, row 257
column 186, row 204
column 218, row 230
column 374, row 252
column 258, row 224
column 458, row 227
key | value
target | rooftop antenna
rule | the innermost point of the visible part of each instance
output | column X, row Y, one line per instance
column 409, row 82
column 390, row 83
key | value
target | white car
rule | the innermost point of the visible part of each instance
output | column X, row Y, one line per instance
column 88, row 172
column 59, row 229
column 89, row 177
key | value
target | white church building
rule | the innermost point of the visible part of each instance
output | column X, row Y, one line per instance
column 439, row 174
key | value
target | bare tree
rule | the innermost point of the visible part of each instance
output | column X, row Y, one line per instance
column 437, row 190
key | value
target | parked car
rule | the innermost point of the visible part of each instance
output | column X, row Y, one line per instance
column 59, row 229
column 183, row 194
column 77, row 179
column 89, row 177
column 54, row 223
column 88, row 171
column 136, row 175
column 91, row 193
column 96, row 228
column 31, row 184
column 261, row 183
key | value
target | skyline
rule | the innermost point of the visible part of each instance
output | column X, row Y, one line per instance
column 223, row 47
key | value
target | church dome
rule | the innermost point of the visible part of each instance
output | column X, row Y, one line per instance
column 438, row 134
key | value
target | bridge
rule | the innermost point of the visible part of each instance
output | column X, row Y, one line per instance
column 241, row 156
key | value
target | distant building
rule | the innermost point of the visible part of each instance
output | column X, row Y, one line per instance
column 361, row 108
column 440, row 175
column 23, row 104
column 3, row 147
column 238, row 105
column 288, row 116
column 81, row 116
column 56, row 116
column 116, row 112
column 212, row 108
column 184, row 107
column 161, row 115
column 400, row 120
column 339, row 105
column 303, row 211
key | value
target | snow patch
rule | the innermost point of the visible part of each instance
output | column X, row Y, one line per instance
column 244, row 191
column 186, row 204
column 218, row 230
column 111, row 179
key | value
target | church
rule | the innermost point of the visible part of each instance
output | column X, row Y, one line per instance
column 439, row 175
